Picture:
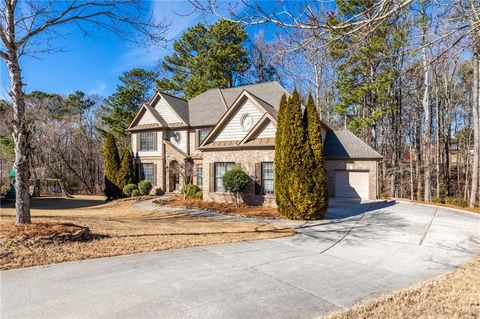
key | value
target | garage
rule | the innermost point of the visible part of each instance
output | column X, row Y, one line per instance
column 351, row 184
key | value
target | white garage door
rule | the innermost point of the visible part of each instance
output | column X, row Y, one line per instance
column 351, row 184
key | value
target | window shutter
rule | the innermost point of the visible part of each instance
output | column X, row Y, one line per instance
column 137, row 172
column 138, row 148
column 155, row 137
column 211, row 174
column 197, row 139
column 258, row 178
column 155, row 174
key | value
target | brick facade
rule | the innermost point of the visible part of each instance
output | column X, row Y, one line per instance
column 246, row 158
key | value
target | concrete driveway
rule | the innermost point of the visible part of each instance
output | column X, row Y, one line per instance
column 361, row 251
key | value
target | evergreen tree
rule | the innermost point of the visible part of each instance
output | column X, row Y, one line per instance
column 112, row 165
column 205, row 58
column 126, row 173
column 367, row 68
column 120, row 108
column 299, row 163
column 314, row 132
column 294, row 163
column 281, row 135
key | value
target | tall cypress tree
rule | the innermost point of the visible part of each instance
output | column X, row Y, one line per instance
column 126, row 173
column 314, row 134
column 281, row 136
column 112, row 165
column 299, row 164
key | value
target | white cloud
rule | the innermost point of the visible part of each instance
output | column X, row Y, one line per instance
column 179, row 15
column 99, row 88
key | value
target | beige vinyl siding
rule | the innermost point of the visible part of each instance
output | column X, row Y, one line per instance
column 193, row 141
column 233, row 131
column 183, row 144
column 134, row 142
column 166, row 112
column 267, row 132
column 147, row 118
column 158, row 152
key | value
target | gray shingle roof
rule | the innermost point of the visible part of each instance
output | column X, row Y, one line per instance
column 270, row 92
column 345, row 145
column 208, row 107
column 178, row 104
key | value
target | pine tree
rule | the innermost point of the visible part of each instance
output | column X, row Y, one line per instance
column 126, row 173
column 314, row 132
column 120, row 108
column 205, row 57
column 112, row 164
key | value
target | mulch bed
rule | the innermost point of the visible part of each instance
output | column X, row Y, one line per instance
column 228, row 209
column 12, row 234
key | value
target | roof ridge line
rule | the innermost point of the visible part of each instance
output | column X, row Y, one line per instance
column 223, row 98
column 171, row 95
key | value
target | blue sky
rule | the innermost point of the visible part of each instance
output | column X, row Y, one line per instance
column 93, row 64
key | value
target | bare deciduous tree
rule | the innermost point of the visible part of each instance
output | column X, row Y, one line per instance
column 28, row 27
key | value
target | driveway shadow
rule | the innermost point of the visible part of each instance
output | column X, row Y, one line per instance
column 345, row 208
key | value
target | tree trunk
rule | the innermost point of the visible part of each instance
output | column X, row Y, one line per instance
column 437, row 141
column 411, row 174
column 476, row 128
column 20, row 130
column 428, row 124
column 21, row 139
column 418, row 158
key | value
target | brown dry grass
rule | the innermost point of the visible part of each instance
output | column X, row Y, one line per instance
column 454, row 295
column 121, row 229
column 229, row 209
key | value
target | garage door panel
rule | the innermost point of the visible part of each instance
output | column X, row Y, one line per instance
column 351, row 184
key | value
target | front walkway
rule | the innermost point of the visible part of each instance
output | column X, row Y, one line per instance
column 360, row 251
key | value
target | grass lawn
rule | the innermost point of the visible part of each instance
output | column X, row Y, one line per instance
column 120, row 229
column 454, row 295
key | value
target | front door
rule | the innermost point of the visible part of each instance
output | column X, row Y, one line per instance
column 174, row 176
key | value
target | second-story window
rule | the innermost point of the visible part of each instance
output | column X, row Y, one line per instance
column 202, row 135
column 147, row 141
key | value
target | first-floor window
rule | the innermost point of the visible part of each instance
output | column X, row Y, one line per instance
column 199, row 175
column 147, row 172
column 267, row 178
column 220, row 169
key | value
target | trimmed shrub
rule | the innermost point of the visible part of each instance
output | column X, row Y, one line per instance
column 234, row 181
column 136, row 193
column 144, row 187
column 128, row 189
column 199, row 195
column 190, row 190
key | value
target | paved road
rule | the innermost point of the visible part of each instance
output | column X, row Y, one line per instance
column 361, row 251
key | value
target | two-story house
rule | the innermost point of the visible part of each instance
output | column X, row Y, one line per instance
column 221, row 128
